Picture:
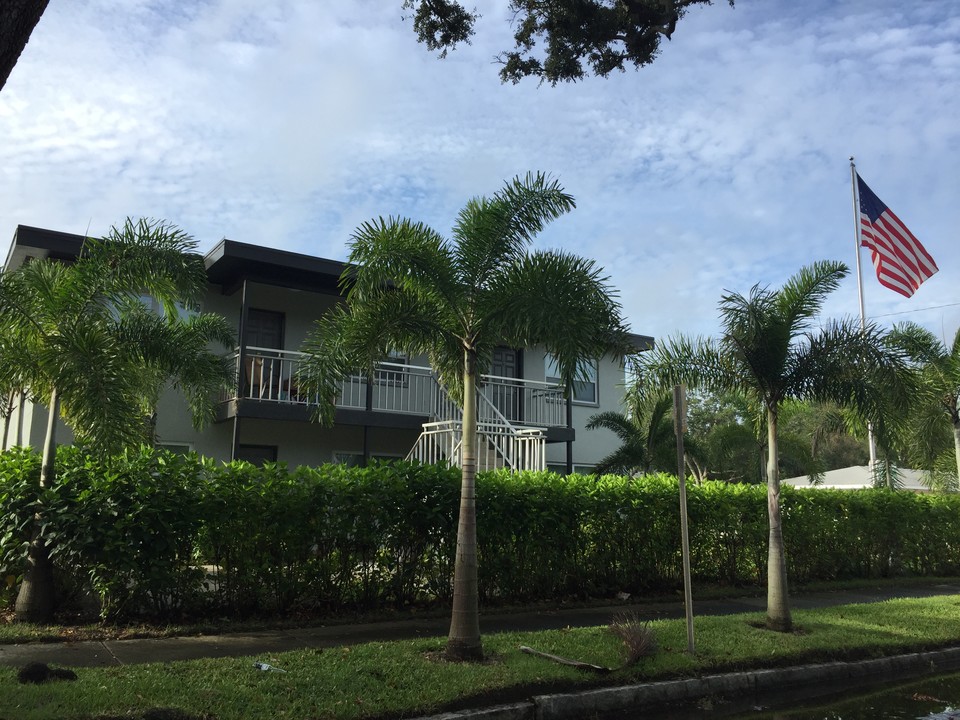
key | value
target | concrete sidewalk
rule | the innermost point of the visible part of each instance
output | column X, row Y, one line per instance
column 266, row 643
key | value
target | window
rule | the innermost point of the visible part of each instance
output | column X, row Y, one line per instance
column 585, row 388
column 175, row 447
column 349, row 459
column 257, row 454
column 386, row 457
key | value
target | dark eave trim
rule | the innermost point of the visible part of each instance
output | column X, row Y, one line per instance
column 230, row 261
column 641, row 342
column 53, row 243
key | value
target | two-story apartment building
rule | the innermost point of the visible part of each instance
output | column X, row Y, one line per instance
column 273, row 297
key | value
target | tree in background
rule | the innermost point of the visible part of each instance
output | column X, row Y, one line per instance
column 413, row 291
column 78, row 338
column 577, row 37
column 820, row 436
column 769, row 352
column 18, row 18
column 934, row 418
column 645, row 431
column 726, row 429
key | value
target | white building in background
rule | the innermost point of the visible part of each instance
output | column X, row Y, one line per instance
column 273, row 297
column 859, row 477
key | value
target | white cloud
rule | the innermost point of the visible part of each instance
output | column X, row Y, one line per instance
column 721, row 165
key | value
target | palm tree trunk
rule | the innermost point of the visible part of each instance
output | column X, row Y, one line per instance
column 778, row 601
column 464, row 643
column 35, row 601
column 7, row 415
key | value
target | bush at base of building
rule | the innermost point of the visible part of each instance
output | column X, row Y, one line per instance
column 157, row 534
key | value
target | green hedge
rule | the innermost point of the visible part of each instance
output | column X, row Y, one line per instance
column 160, row 534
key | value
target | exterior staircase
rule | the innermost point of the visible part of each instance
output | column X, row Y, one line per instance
column 500, row 444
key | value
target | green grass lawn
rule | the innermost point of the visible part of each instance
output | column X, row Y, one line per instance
column 408, row 678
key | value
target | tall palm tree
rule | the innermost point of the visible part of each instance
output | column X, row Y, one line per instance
column 937, row 398
column 413, row 291
column 768, row 350
column 78, row 338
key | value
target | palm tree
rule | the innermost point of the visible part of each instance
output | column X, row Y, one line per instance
column 768, row 351
column 411, row 290
column 645, row 432
column 937, row 399
column 78, row 338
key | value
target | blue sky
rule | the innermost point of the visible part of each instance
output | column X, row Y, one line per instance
column 287, row 124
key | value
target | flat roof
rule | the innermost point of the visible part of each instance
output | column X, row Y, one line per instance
column 31, row 241
column 858, row 477
column 228, row 264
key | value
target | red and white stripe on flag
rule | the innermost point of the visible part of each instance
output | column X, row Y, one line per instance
column 901, row 262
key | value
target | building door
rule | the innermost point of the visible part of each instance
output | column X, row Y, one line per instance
column 265, row 372
column 502, row 390
column 264, row 328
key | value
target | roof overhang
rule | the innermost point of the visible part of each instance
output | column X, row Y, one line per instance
column 230, row 262
column 641, row 342
column 33, row 242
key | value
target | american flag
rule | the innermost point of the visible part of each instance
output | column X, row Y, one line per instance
column 901, row 262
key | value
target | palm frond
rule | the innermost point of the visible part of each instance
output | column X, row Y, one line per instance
column 352, row 339
column 178, row 352
column 919, row 344
column 558, row 301
column 802, row 296
column 144, row 256
column 699, row 363
column 100, row 395
column 400, row 253
column 625, row 428
column 853, row 368
column 493, row 233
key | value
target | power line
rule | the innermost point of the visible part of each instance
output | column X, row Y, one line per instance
column 907, row 312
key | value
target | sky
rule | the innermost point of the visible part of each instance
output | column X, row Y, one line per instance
column 722, row 165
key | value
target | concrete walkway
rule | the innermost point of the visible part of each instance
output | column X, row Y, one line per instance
column 266, row 643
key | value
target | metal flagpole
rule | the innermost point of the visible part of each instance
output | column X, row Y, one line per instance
column 863, row 313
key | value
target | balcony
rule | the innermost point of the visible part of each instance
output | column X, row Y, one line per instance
column 269, row 377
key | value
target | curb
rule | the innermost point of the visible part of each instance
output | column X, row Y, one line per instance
column 827, row 677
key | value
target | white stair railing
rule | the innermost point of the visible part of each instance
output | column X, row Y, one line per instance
column 438, row 442
column 500, row 445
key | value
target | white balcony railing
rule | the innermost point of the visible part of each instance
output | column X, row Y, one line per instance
column 272, row 375
column 521, row 402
